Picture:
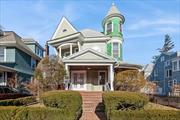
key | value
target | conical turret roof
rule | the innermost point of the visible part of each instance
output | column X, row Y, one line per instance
column 113, row 10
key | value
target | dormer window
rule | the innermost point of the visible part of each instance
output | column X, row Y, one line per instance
column 109, row 27
column 64, row 30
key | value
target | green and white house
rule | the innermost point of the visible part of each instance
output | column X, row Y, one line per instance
column 18, row 58
column 91, row 58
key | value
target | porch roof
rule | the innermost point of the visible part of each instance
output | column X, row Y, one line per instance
column 89, row 56
column 6, row 69
column 124, row 65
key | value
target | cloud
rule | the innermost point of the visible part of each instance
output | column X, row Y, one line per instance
column 147, row 23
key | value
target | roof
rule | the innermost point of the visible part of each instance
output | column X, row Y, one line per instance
column 91, row 33
column 113, row 10
column 148, row 67
column 125, row 65
column 31, row 41
column 10, row 38
column 7, row 69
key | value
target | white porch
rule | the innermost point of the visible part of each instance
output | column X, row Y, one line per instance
column 90, row 77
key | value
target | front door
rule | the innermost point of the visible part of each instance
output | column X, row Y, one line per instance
column 78, row 80
column 102, row 79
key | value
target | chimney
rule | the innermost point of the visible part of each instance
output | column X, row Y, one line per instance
column 46, row 50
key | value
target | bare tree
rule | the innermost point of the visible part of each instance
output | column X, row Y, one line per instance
column 50, row 72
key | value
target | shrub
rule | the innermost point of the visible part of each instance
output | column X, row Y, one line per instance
column 124, row 100
column 18, row 101
column 145, row 115
column 70, row 101
column 34, row 113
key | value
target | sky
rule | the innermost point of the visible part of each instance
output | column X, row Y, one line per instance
column 146, row 21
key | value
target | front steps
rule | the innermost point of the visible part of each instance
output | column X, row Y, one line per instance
column 92, row 106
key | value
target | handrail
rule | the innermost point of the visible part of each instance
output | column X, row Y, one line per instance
column 107, row 86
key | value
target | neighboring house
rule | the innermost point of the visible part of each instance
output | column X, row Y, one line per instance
column 17, row 60
column 34, row 46
column 166, row 72
column 147, row 69
column 92, row 57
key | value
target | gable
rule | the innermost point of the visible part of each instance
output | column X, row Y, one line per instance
column 64, row 28
column 89, row 56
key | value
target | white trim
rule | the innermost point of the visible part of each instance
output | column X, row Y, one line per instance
column 90, row 64
column 111, row 70
column 5, row 56
column 62, row 20
column 112, row 26
column 105, row 28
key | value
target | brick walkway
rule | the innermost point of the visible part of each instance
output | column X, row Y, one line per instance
column 92, row 106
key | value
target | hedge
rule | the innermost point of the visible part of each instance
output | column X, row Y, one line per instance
column 123, row 100
column 18, row 101
column 70, row 101
column 34, row 113
column 144, row 115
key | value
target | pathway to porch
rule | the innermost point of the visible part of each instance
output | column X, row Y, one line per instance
column 92, row 106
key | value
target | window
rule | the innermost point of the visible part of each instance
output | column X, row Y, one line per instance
column 155, row 72
column 2, row 53
column 1, row 77
column 109, row 27
column 115, row 50
column 168, row 73
column 174, row 65
column 33, row 63
column 167, row 63
column 64, row 30
column 174, row 82
column 162, row 58
column 170, row 83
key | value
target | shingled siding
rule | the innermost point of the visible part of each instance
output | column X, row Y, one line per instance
column 10, row 54
column 23, row 62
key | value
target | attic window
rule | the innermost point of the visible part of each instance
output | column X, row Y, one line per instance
column 64, row 30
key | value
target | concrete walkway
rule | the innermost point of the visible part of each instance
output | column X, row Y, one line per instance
column 92, row 106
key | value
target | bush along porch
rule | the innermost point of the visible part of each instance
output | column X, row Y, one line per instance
column 130, row 106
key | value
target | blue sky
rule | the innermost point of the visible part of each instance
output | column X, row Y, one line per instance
column 147, row 21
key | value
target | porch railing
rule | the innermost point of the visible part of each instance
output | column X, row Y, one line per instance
column 107, row 86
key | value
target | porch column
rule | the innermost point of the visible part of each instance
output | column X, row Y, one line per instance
column 60, row 52
column 67, row 80
column 70, row 48
column 111, row 76
column 79, row 46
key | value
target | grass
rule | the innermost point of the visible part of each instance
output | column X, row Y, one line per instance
column 150, row 106
column 37, row 105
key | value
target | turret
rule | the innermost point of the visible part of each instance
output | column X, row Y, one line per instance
column 112, row 27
